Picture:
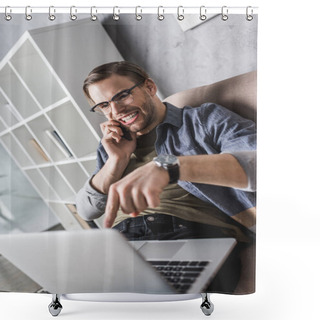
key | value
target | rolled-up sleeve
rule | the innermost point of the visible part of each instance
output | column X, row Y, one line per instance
column 234, row 135
column 247, row 160
column 90, row 203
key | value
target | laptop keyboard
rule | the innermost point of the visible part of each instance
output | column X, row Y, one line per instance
column 180, row 274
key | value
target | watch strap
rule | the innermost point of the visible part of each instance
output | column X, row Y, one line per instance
column 174, row 173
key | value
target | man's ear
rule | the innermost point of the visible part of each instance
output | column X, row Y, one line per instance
column 151, row 87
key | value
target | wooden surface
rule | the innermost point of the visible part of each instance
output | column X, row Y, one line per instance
column 13, row 280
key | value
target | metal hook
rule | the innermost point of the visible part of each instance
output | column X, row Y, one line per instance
column 180, row 15
column 51, row 15
column 203, row 12
column 138, row 16
column 7, row 16
column 93, row 16
column 28, row 15
column 224, row 13
column 116, row 16
column 73, row 17
column 160, row 16
column 249, row 17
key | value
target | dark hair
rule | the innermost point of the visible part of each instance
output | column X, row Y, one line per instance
column 105, row 71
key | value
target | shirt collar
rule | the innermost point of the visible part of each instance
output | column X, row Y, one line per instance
column 173, row 115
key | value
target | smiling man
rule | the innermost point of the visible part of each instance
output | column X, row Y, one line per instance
column 165, row 172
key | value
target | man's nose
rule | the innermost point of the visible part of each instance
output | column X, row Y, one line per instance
column 116, row 108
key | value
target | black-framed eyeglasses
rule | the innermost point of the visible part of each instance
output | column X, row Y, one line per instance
column 122, row 98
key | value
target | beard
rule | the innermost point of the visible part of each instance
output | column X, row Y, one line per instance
column 147, row 115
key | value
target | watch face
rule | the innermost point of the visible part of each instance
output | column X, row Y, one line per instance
column 167, row 159
column 169, row 163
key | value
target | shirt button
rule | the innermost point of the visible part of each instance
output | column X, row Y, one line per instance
column 150, row 219
column 181, row 226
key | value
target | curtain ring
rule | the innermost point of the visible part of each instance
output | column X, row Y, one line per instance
column 249, row 17
column 7, row 16
column 224, row 13
column 116, row 16
column 203, row 12
column 138, row 16
column 93, row 16
column 51, row 15
column 28, row 16
column 160, row 15
column 180, row 13
column 73, row 17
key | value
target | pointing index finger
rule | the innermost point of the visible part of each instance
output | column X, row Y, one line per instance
column 112, row 207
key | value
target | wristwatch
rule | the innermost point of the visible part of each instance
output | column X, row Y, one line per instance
column 170, row 163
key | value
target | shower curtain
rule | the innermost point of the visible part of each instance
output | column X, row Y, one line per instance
column 49, row 138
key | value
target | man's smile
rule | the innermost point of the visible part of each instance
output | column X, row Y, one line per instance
column 130, row 118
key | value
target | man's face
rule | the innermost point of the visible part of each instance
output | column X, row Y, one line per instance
column 139, row 114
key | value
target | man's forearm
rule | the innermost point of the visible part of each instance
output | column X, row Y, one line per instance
column 111, row 172
column 219, row 169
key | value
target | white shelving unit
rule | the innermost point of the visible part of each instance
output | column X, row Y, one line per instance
column 45, row 124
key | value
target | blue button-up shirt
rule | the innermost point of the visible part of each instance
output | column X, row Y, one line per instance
column 208, row 129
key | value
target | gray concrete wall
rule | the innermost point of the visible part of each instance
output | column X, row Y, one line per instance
column 179, row 60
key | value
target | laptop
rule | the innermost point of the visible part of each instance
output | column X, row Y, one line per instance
column 103, row 261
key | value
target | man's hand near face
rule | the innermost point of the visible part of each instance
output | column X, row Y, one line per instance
column 119, row 151
column 116, row 146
